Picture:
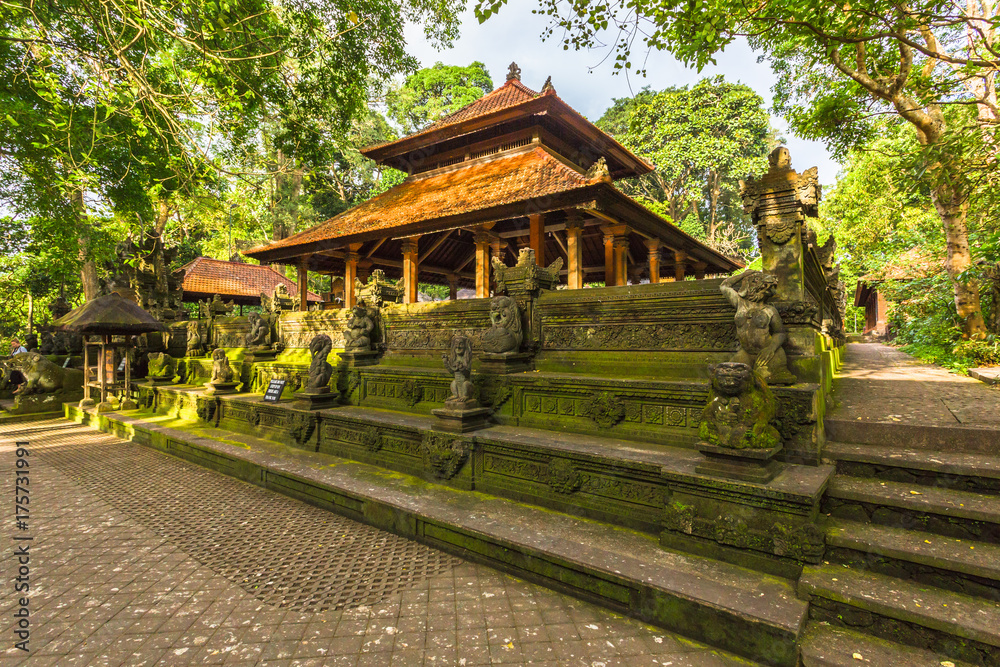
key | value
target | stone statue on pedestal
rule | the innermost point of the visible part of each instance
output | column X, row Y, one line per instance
column 505, row 332
column 758, row 326
column 317, row 393
column 737, row 436
column 194, row 342
column 320, row 369
column 458, row 361
column 259, row 330
column 739, row 411
column 461, row 411
column 221, row 370
column 357, row 335
column 162, row 368
column 222, row 381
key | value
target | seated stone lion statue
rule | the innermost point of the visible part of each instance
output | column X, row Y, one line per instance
column 41, row 376
column 161, row 365
column 739, row 411
column 505, row 334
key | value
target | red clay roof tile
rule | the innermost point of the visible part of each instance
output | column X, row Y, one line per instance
column 483, row 184
column 229, row 279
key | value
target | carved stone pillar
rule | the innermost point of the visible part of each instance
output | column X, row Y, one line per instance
column 410, row 269
column 779, row 203
column 699, row 270
column 350, row 275
column 574, row 250
column 484, row 240
column 654, row 259
column 536, row 236
column 680, row 264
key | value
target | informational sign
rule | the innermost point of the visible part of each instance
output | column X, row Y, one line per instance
column 66, row 363
column 274, row 389
column 121, row 366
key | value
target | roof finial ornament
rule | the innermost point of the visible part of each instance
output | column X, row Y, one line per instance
column 548, row 86
column 599, row 170
column 513, row 72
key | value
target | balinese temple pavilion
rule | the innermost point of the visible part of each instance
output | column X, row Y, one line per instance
column 204, row 277
column 514, row 169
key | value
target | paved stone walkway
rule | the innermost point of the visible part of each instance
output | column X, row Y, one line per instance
column 138, row 558
column 880, row 383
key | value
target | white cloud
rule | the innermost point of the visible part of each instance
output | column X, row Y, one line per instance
column 586, row 79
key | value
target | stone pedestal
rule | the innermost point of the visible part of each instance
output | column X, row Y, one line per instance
column 159, row 381
column 261, row 354
column 746, row 465
column 461, row 416
column 506, row 362
column 315, row 399
column 359, row 358
column 219, row 388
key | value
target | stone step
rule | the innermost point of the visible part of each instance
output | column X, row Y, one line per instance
column 965, row 566
column 955, row 438
column 750, row 613
column 955, row 625
column 960, row 470
column 825, row 645
column 949, row 512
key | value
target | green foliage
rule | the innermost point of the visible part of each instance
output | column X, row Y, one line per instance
column 435, row 92
column 701, row 139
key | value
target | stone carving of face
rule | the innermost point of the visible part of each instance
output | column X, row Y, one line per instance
column 759, row 287
column 731, row 378
column 780, row 158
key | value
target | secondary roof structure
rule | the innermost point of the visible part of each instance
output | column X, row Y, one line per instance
column 516, row 168
column 233, row 281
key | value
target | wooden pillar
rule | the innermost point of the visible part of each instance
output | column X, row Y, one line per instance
column 410, row 269
column 699, row 270
column 574, row 251
column 365, row 270
column 615, row 255
column 621, row 260
column 654, row 259
column 536, row 236
column 86, row 369
column 350, row 275
column 609, row 259
column 483, row 239
column 304, row 283
column 680, row 264
column 453, row 286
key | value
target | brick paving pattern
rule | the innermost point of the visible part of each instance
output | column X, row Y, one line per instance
column 142, row 559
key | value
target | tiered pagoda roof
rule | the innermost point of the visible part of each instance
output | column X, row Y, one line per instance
column 512, row 153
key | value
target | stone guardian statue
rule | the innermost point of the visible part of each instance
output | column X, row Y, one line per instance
column 758, row 326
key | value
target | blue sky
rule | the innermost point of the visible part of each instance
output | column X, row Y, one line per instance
column 587, row 83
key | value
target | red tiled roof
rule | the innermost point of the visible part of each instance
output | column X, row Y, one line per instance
column 510, row 94
column 205, row 275
column 508, row 178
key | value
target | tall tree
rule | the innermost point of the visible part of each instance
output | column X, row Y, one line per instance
column 702, row 139
column 118, row 103
column 434, row 92
column 840, row 66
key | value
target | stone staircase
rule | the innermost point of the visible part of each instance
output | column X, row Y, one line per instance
column 911, row 573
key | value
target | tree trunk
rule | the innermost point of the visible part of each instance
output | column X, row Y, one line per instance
column 88, row 269
column 714, row 190
column 31, row 312
column 953, row 208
